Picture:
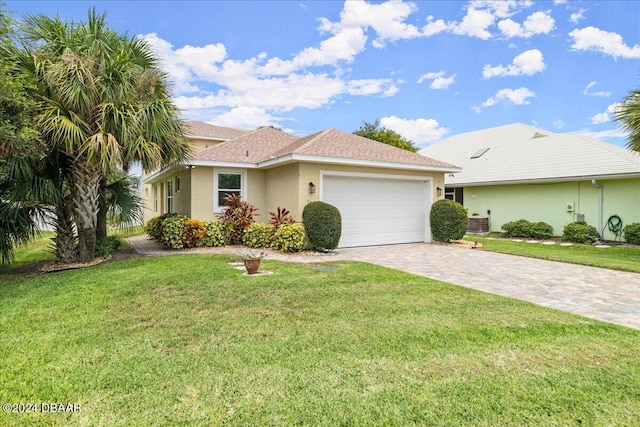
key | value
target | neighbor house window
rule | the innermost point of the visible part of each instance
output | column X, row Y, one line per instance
column 227, row 183
column 169, row 196
column 177, row 184
column 155, row 198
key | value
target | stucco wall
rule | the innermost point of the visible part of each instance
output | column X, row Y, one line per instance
column 282, row 190
column 202, row 193
column 548, row 202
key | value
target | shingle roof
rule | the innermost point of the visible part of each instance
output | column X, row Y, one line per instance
column 519, row 153
column 252, row 147
column 338, row 144
column 268, row 143
column 205, row 130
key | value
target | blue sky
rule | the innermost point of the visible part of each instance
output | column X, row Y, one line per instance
column 426, row 69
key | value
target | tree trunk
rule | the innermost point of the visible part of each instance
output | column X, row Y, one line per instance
column 65, row 240
column 101, row 224
column 85, row 194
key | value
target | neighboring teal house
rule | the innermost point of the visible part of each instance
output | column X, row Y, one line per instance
column 518, row 171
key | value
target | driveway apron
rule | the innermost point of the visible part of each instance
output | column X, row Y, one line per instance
column 598, row 293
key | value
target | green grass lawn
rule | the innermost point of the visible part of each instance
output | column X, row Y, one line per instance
column 187, row 340
column 615, row 257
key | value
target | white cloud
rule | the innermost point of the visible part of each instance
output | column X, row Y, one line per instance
column 527, row 63
column 386, row 19
column 386, row 87
column 587, row 91
column 605, row 116
column 577, row 16
column 474, row 24
column 245, row 118
column 516, row 96
column 558, row 124
column 536, row 23
column 438, row 80
column 502, row 8
column 597, row 40
column 420, row 131
column 344, row 46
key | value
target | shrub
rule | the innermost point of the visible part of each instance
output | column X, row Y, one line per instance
column 580, row 232
column 193, row 234
column 289, row 238
column 258, row 235
column 153, row 227
column 632, row 233
column 172, row 230
column 448, row 220
column 524, row 228
column 281, row 216
column 107, row 246
column 215, row 234
column 323, row 225
column 237, row 216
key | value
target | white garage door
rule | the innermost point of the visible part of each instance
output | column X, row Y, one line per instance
column 378, row 211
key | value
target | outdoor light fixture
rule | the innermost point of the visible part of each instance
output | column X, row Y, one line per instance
column 312, row 188
column 439, row 191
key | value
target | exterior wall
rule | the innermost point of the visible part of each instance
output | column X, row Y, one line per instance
column 198, row 145
column 202, row 193
column 282, row 186
column 548, row 203
column 182, row 197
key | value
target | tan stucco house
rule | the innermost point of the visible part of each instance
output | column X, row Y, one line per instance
column 383, row 193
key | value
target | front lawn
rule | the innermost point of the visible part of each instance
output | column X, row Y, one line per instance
column 187, row 340
column 615, row 257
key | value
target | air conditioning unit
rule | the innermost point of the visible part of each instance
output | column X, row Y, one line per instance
column 569, row 207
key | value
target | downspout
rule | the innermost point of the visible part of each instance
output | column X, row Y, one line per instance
column 600, row 204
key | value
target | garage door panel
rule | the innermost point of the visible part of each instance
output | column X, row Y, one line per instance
column 378, row 211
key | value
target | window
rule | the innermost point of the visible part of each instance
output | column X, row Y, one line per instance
column 155, row 198
column 177, row 184
column 169, row 196
column 226, row 183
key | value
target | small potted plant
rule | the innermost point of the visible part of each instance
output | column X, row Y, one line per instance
column 252, row 261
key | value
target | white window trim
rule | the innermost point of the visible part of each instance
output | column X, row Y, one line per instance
column 155, row 197
column 243, row 186
column 170, row 209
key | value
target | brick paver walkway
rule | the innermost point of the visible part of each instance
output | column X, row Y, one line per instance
column 598, row 293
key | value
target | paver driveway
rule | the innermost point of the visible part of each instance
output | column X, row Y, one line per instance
column 598, row 293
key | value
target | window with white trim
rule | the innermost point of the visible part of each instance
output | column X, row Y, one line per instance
column 169, row 196
column 226, row 183
column 155, row 198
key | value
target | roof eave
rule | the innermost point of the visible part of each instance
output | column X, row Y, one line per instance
column 544, row 180
column 353, row 162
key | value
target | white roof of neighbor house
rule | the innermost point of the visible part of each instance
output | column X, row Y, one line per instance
column 518, row 153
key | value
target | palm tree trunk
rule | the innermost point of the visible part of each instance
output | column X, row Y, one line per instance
column 101, row 225
column 85, row 194
column 65, row 240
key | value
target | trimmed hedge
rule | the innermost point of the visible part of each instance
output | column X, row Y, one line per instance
column 215, row 235
column 580, row 232
column 258, row 235
column 323, row 224
column 524, row 228
column 289, row 238
column 448, row 220
column 632, row 233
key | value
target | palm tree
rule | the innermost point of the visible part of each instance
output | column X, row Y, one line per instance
column 104, row 103
column 628, row 115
